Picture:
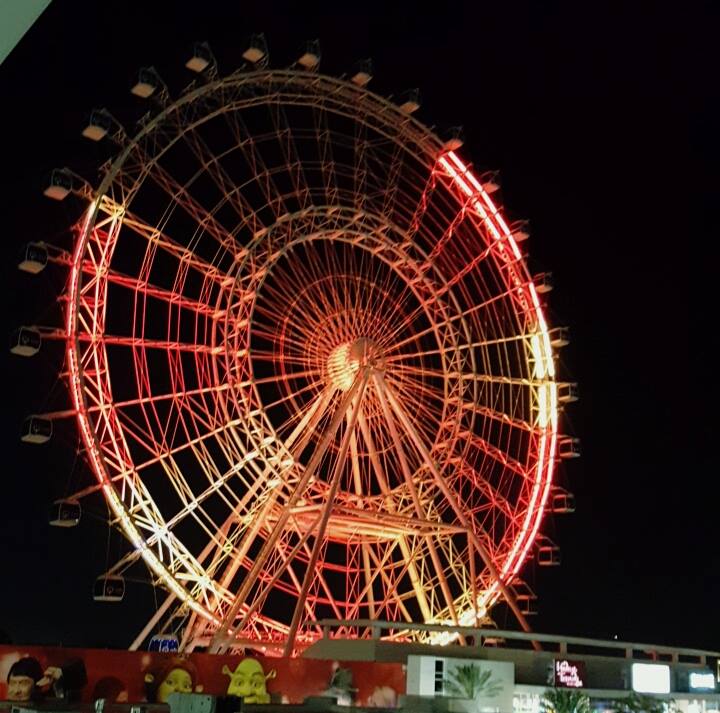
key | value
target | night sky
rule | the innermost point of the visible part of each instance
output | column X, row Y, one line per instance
column 598, row 117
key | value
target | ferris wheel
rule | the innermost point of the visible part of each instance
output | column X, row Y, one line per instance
column 312, row 375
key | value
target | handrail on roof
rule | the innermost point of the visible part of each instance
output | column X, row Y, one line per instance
column 378, row 626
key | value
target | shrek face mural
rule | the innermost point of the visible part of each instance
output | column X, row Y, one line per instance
column 248, row 681
column 177, row 681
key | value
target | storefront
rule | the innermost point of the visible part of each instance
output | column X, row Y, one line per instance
column 489, row 686
column 528, row 699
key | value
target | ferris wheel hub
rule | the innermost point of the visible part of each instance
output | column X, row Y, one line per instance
column 345, row 361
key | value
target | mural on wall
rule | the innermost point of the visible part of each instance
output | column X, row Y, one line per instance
column 249, row 682
column 41, row 673
column 28, row 680
column 176, row 675
column 479, row 686
column 472, row 685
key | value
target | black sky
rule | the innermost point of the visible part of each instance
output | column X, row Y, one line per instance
column 599, row 118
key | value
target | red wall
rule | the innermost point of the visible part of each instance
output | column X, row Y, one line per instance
column 295, row 678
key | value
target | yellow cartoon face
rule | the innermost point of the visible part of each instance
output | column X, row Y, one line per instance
column 248, row 681
column 177, row 681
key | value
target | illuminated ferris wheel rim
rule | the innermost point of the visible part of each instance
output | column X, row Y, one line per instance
column 467, row 187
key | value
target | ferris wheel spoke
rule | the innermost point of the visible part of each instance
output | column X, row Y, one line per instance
column 293, row 445
column 476, row 254
column 421, row 206
column 272, row 316
column 430, row 410
column 331, row 598
column 392, row 182
column 393, row 343
column 359, row 490
column 156, row 398
column 390, row 504
column 327, row 160
column 388, row 398
column 148, row 438
column 297, row 584
column 373, row 574
column 141, row 287
column 293, row 163
column 404, row 323
column 449, row 231
column 203, row 217
column 269, row 543
column 287, row 376
column 227, row 187
column 245, row 141
column 392, row 593
column 468, row 311
column 501, row 417
column 274, row 357
column 510, row 339
column 136, row 342
column 415, row 386
column 452, row 501
column 418, row 505
column 486, row 378
column 142, row 435
column 360, row 384
column 243, row 468
column 499, row 456
column 494, row 497
column 160, row 455
column 360, row 169
column 182, row 253
column 309, row 284
column 455, row 278
column 268, row 332
column 431, row 401
column 310, row 388
column 220, row 541
column 288, row 288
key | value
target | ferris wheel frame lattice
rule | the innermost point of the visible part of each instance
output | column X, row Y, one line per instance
column 312, row 374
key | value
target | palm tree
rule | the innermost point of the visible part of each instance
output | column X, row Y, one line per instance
column 565, row 700
column 470, row 681
column 636, row 703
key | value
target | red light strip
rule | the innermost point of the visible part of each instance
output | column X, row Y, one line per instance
column 499, row 230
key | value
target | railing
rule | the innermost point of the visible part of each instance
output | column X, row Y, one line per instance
column 481, row 635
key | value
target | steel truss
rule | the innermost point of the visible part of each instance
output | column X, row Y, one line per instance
column 311, row 371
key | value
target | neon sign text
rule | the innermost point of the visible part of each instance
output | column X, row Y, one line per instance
column 569, row 674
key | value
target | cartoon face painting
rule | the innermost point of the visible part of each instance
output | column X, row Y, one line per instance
column 248, row 681
column 178, row 675
column 19, row 688
column 22, row 679
column 178, row 680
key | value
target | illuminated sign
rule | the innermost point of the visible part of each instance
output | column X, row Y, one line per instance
column 701, row 680
column 651, row 678
column 569, row 674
